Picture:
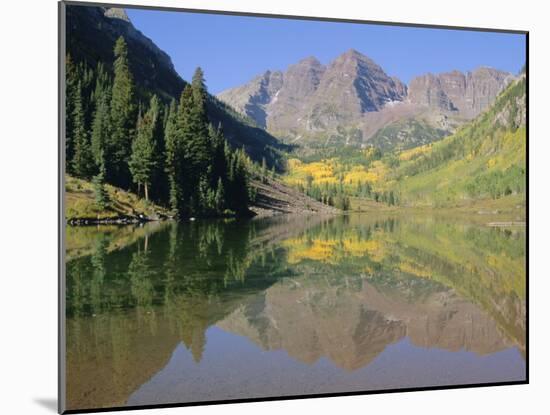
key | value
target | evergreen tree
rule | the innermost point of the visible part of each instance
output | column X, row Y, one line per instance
column 391, row 199
column 173, row 158
column 238, row 178
column 102, row 84
column 143, row 159
column 100, row 192
column 197, row 152
column 368, row 189
column 206, row 198
column 187, row 176
column 173, row 151
column 197, row 146
column 82, row 162
column 219, row 201
column 219, row 159
column 71, row 84
column 359, row 190
column 159, row 180
column 199, row 99
column 264, row 170
column 101, row 128
column 122, row 116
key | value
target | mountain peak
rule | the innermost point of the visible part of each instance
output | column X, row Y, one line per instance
column 484, row 68
column 492, row 72
column 355, row 55
column 310, row 61
column 355, row 59
column 116, row 13
column 352, row 52
column 311, row 100
column 313, row 97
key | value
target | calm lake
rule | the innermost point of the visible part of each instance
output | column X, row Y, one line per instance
column 212, row 310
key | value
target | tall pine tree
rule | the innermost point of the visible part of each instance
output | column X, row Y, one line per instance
column 159, row 181
column 219, row 161
column 100, row 192
column 199, row 149
column 123, row 110
column 71, row 84
column 143, row 160
column 219, row 200
column 196, row 143
column 82, row 163
column 238, row 186
column 101, row 128
column 187, row 176
column 173, row 158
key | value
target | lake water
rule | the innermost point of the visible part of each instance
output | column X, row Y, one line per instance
column 216, row 310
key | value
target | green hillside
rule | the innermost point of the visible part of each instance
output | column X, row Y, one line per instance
column 80, row 202
column 484, row 160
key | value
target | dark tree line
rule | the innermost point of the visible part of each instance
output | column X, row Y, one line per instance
column 338, row 195
column 365, row 191
column 329, row 194
column 169, row 153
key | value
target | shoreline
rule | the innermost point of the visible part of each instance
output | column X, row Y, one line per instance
column 487, row 219
column 117, row 220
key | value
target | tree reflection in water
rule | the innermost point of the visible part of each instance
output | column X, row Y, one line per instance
column 340, row 288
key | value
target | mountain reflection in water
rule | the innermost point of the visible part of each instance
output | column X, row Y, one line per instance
column 220, row 310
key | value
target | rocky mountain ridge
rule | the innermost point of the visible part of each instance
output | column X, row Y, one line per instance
column 466, row 93
column 350, row 99
column 314, row 95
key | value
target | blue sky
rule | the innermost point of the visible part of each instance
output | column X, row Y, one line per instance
column 233, row 49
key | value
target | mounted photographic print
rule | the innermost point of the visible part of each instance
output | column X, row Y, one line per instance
column 258, row 207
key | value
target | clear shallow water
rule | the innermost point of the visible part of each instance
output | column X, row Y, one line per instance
column 239, row 369
column 220, row 310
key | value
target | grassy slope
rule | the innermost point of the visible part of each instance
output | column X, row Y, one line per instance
column 80, row 202
column 484, row 160
column 448, row 184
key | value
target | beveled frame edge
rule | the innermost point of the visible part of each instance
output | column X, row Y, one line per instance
column 61, row 346
column 293, row 17
column 62, row 223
